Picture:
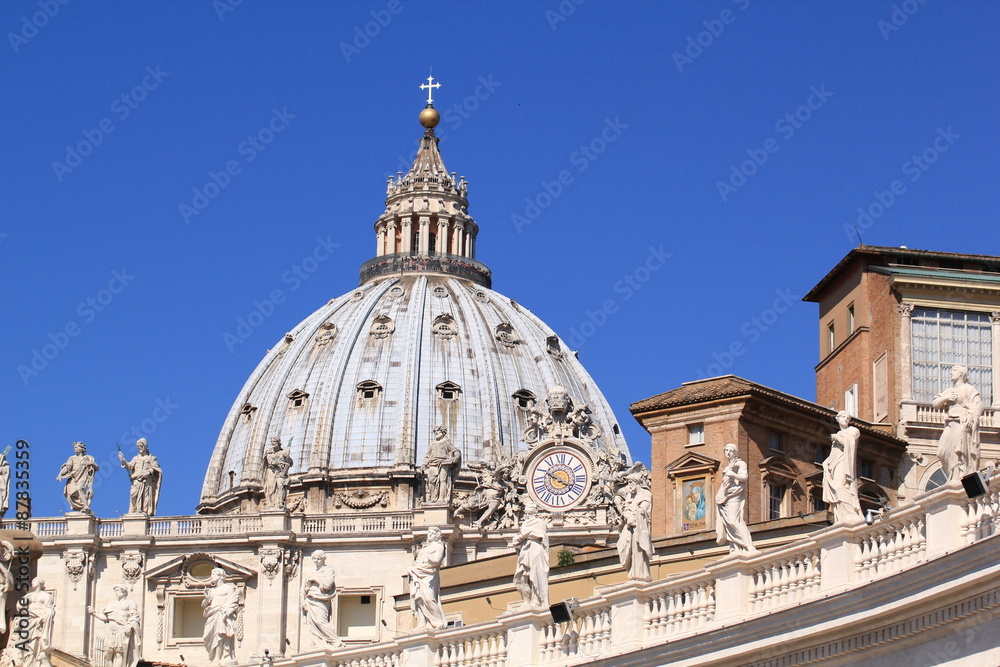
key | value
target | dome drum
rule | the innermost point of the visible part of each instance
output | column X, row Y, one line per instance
column 443, row 264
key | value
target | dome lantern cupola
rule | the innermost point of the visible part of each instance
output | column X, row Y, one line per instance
column 426, row 225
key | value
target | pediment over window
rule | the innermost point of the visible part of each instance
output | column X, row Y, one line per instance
column 692, row 463
column 779, row 470
column 194, row 570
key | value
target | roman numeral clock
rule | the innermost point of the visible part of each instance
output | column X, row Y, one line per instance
column 559, row 476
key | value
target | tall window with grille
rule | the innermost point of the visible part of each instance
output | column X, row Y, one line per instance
column 942, row 338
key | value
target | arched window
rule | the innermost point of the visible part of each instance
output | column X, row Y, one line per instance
column 369, row 390
column 524, row 399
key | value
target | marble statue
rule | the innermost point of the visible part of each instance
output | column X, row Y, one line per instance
column 731, row 526
column 635, row 543
column 441, row 467
column 220, row 607
column 958, row 448
column 531, row 577
column 425, row 582
column 35, row 636
column 277, row 463
column 497, row 495
column 123, row 637
column 146, row 476
column 4, row 483
column 840, row 485
column 317, row 602
column 78, row 471
column 6, row 581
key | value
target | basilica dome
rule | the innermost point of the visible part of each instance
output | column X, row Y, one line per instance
column 355, row 391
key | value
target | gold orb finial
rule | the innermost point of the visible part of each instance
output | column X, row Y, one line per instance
column 430, row 117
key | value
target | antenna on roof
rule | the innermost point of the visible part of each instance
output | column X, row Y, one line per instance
column 860, row 242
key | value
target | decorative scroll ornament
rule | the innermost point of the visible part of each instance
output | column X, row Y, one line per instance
column 382, row 327
column 444, row 326
column 270, row 561
column 327, row 332
column 131, row 567
column 361, row 499
column 505, row 335
column 564, row 420
column 77, row 563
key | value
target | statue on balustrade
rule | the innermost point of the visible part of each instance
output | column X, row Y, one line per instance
column 78, row 471
column 635, row 544
column 220, row 608
column 731, row 528
column 4, row 482
column 34, row 637
column 425, row 582
column 145, row 473
column 531, row 577
column 958, row 448
column 497, row 494
column 277, row 463
column 123, row 638
column 317, row 602
column 441, row 467
column 6, row 581
column 840, row 485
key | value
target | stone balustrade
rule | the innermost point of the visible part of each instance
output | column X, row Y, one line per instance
column 737, row 589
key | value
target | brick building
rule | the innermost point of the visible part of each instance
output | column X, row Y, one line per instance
column 782, row 438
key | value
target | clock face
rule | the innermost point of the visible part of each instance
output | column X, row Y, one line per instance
column 559, row 480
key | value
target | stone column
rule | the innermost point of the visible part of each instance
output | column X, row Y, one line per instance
column 457, row 237
column 380, row 240
column 442, row 236
column 995, row 321
column 425, row 236
column 390, row 248
column 407, row 240
column 905, row 356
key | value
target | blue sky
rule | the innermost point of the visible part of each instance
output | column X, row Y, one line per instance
column 661, row 182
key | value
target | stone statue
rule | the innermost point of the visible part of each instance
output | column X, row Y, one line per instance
column 123, row 638
column 531, row 577
column 840, row 485
column 4, row 483
column 441, row 467
column 6, row 581
column 497, row 495
column 35, row 636
column 78, row 471
column 635, row 544
column 317, row 596
column 732, row 495
column 220, row 607
column 277, row 463
column 958, row 448
column 425, row 582
column 146, row 476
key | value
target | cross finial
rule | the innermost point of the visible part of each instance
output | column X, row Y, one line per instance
column 430, row 86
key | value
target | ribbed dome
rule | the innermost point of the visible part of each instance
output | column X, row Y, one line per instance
column 411, row 342
column 355, row 391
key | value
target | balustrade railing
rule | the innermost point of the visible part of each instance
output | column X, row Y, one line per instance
column 787, row 580
column 928, row 414
column 680, row 609
column 484, row 649
column 889, row 546
column 982, row 517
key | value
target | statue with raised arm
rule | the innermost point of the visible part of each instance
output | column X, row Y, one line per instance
column 425, row 582
column 441, row 467
column 958, row 448
column 123, row 637
column 220, row 607
column 840, row 484
column 731, row 527
column 277, row 463
column 145, row 473
column 531, row 577
column 78, row 471
column 317, row 602
column 34, row 636
column 635, row 544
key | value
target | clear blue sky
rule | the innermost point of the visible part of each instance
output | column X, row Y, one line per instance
column 647, row 107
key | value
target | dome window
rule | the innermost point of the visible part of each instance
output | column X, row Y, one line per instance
column 440, row 291
column 247, row 411
column 481, row 296
column 448, row 391
column 504, row 334
column 524, row 399
column 297, row 398
column 382, row 327
column 553, row 348
column 396, row 292
column 444, row 326
column 328, row 331
column 369, row 390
